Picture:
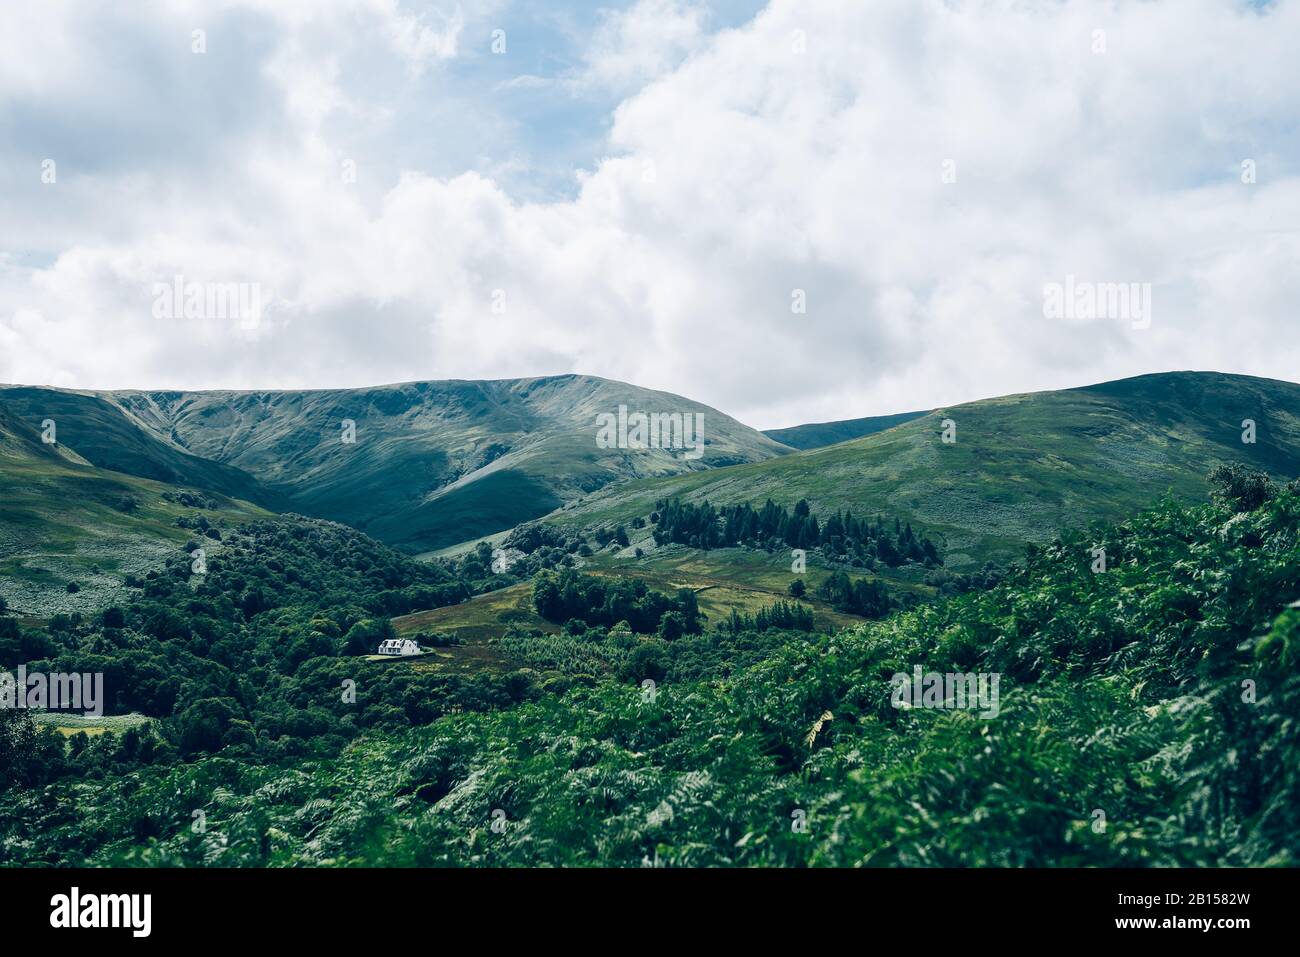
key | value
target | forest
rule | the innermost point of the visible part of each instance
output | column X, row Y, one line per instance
column 842, row 536
column 251, row 654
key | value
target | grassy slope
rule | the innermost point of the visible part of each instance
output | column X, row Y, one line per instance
column 70, row 724
column 104, row 434
column 61, row 521
column 818, row 435
column 1023, row 466
column 740, row 579
column 488, row 616
column 479, row 619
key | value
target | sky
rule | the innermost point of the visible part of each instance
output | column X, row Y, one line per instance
column 794, row 211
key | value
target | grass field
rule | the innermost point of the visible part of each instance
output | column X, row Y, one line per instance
column 477, row 623
column 462, row 548
column 747, row 568
column 63, row 523
column 478, row 654
column 70, row 724
column 480, row 618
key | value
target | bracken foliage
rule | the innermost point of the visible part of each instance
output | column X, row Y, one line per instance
column 1149, row 715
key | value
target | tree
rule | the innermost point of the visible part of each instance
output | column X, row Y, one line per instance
column 253, row 602
column 364, row 637
column 671, row 626
column 547, row 598
column 1241, row 486
column 647, row 660
column 209, row 725
column 797, row 588
column 19, row 749
column 688, row 605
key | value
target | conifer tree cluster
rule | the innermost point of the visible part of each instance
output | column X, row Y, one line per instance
column 870, row 599
column 786, row 615
column 775, row 527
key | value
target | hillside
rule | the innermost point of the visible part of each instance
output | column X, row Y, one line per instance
column 103, row 433
column 64, row 521
column 434, row 463
column 1118, row 734
column 1022, row 466
column 817, row 435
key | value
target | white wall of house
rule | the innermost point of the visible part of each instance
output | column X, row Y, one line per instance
column 399, row 646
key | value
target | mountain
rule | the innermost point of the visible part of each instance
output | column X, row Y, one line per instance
column 1021, row 467
column 817, row 435
column 104, row 433
column 436, row 463
column 432, row 464
column 70, row 531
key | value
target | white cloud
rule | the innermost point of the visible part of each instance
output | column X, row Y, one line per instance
column 744, row 172
column 645, row 41
column 420, row 42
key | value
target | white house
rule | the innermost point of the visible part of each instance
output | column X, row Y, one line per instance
column 398, row 646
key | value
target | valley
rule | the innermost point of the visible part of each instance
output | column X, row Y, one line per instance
column 438, row 467
column 649, row 658
column 649, row 434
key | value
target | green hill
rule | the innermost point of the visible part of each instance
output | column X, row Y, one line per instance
column 434, row 463
column 104, row 433
column 437, row 463
column 64, row 522
column 1022, row 466
column 817, row 435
